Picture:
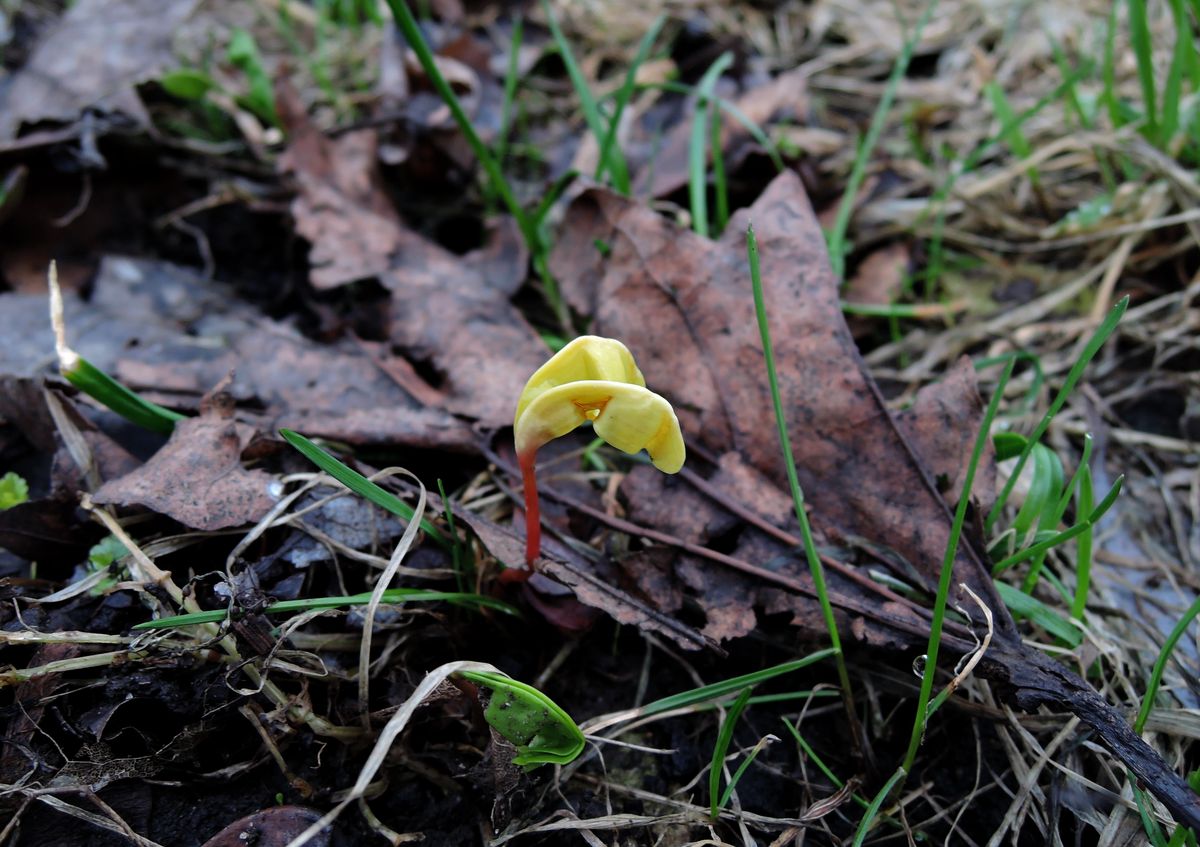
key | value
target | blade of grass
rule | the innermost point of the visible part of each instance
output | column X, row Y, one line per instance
column 1110, row 69
column 724, row 738
column 1173, row 88
column 720, row 186
column 531, row 234
column 1160, row 664
column 737, row 774
column 698, row 148
column 868, row 820
column 829, row 774
column 359, row 484
column 1083, row 549
column 943, row 592
column 393, row 596
column 96, row 383
column 623, row 96
column 456, row 551
column 1066, row 535
column 1143, row 50
column 728, row 686
column 1014, row 137
column 1023, row 605
column 511, row 81
column 836, row 240
column 615, row 161
column 810, row 549
column 1093, row 346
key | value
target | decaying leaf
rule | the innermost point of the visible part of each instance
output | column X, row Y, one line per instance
column 449, row 311
column 197, row 477
column 92, row 59
column 687, row 300
column 161, row 328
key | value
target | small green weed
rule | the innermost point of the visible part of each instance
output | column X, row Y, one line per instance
column 14, row 490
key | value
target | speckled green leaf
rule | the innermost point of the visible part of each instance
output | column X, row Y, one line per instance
column 541, row 731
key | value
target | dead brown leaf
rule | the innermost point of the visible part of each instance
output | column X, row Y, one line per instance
column 783, row 98
column 277, row 826
column 449, row 311
column 683, row 304
column 197, row 477
column 92, row 59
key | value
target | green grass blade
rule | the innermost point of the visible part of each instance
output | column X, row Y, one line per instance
column 720, row 185
column 1181, row 58
column 1143, row 50
column 728, row 686
column 104, row 389
column 615, row 161
column 785, row 443
column 1093, row 346
column 1072, row 93
column 1109, row 96
column 1065, row 535
column 359, row 484
column 1025, row 606
column 824, row 768
column 1160, row 664
column 724, row 739
column 943, row 592
column 552, row 196
column 698, row 148
column 392, row 597
column 737, row 776
column 456, row 551
column 623, row 96
column 1014, row 136
column 1083, row 549
column 864, row 826
column 836, row 239
column 511, row 81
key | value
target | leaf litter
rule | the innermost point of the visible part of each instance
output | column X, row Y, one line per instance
column 707, row 562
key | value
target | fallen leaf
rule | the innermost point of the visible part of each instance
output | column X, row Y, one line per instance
column 273, row 827
column 197, row 477
column 683, row 304
column 92, row 59
column 448, row 311
column 783, row 98
column 163, row 330
column 941, row 424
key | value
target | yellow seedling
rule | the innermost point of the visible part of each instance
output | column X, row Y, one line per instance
column 594, row 380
